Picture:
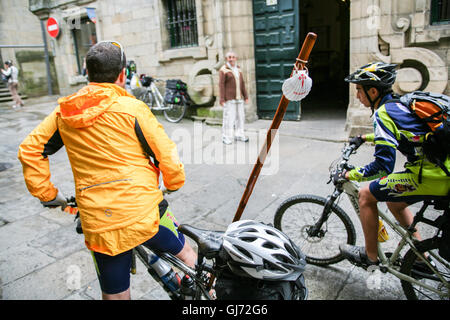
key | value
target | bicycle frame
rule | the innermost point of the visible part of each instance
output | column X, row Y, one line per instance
column 351, row 189
column 195, row 274
column 159, row 100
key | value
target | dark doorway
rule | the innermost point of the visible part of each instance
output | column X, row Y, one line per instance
column 329, row 61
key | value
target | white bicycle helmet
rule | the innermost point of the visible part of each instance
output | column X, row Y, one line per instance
column 260, row 251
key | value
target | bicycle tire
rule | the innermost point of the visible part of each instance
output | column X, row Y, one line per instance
column 406, row 268
column 306, row 243
column 175, row 112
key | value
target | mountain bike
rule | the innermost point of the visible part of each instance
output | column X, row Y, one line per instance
column 319, row 225
column 211, row 269
column 173, row 112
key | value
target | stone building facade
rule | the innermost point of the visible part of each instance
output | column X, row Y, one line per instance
column 21, row 41
column 396, row 31
column 401, row 32
column 140, row 26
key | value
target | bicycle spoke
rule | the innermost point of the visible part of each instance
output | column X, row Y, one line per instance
column 300, row 216
column 437, row 278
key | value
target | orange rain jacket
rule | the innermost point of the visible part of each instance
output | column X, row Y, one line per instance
column 117, row 149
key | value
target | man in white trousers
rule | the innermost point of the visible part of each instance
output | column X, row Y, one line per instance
column 233, row 94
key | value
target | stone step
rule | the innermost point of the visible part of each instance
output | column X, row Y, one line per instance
column 4, row 94
column 9, row 98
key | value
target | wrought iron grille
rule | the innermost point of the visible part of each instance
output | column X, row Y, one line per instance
column 182, row 23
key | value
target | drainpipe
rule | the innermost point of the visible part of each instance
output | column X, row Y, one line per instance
column 47, row 60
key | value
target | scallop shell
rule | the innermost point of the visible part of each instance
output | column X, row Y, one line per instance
column 298, row 86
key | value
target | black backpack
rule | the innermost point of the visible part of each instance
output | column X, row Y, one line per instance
column 175, row 90
column 5, row 78
column 433, row 109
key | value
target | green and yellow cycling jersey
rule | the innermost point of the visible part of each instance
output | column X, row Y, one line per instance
column 396, row 128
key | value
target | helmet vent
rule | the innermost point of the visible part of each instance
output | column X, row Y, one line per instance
column 291, row 250
column 269, row 245
column 272, row 266
column 244, row 252
column 282, row 258
column 270, row 232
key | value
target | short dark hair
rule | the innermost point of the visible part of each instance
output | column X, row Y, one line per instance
column 103, row 62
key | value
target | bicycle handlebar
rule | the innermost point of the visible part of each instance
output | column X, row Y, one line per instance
column 348, row 151
column 337, row 169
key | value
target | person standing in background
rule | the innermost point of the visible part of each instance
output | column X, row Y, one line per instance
column 233, row 94
column 12, row 74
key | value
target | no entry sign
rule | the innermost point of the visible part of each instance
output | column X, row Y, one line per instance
column 52, row 27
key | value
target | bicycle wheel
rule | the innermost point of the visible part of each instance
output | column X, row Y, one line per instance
column 425, row 275
column 175, row 112
column 298, row 214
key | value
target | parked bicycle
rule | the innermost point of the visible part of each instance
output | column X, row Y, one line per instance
column 175, row 101
column 319, row 225
column 231, row 264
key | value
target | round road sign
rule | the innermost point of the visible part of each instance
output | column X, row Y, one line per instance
column 52, row 27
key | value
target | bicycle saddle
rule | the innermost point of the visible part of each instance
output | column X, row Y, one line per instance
column 209, row 242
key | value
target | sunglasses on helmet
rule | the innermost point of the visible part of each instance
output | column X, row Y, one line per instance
column 117, row 44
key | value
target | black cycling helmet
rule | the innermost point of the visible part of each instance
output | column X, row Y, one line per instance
column 8, row 62
column 377, row 75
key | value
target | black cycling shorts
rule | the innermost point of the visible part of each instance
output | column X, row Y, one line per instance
column 114, row 271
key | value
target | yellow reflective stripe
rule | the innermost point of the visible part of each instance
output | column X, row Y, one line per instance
column 168, row 220
column 370, row 137
column 95, row 263
column 355, row 175
column 385, row 143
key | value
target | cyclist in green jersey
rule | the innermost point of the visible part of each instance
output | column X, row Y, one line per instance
column 395, row 128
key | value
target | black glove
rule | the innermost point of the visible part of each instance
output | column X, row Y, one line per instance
column 357, row 141
column 339, row 177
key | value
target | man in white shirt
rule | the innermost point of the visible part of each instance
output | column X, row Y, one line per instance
column 12, row 74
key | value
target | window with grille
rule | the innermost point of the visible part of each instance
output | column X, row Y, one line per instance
column 440, row 12
column 181, row 23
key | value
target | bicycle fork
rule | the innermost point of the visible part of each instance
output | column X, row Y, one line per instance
column 316, row 229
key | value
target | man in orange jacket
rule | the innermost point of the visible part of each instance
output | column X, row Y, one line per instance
column 117, row 150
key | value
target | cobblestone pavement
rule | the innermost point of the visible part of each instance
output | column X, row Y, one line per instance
column 42, row 257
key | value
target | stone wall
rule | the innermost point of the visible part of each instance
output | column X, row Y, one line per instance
column 397, row 31
column 222, row 26
column 18, row 26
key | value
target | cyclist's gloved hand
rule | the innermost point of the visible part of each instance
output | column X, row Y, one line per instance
column 357, row 141
column 59, row 201
column 339, row 177
column 165, row 190
column 348, row 167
